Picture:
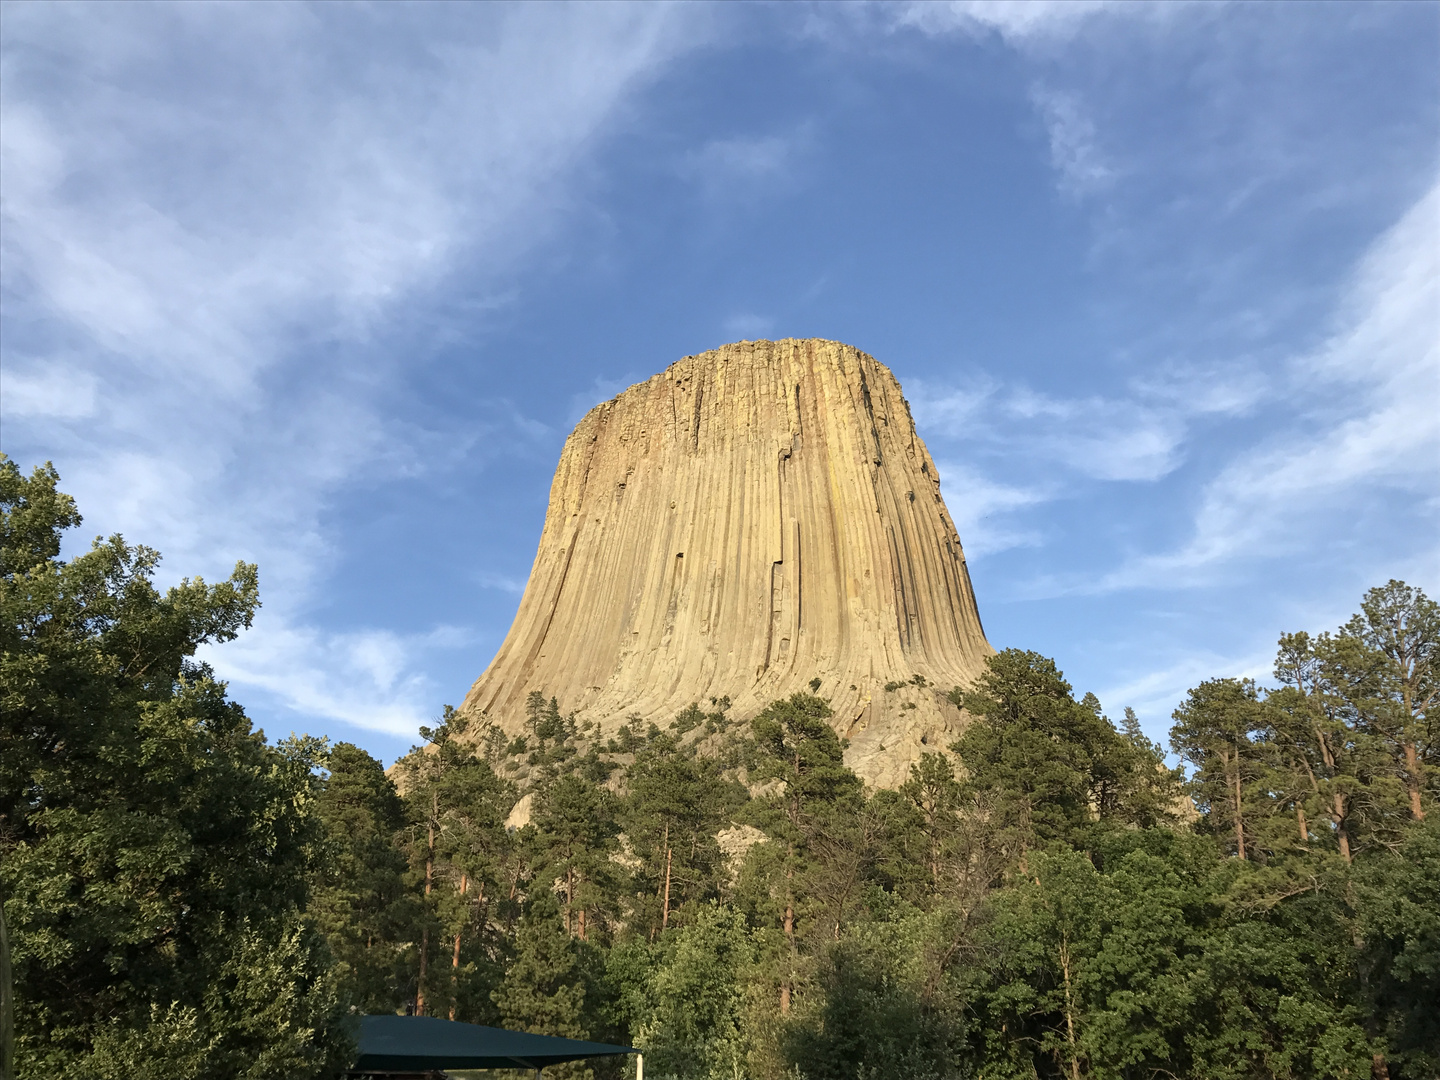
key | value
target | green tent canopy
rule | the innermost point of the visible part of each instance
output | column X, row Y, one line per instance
column 424, row 1045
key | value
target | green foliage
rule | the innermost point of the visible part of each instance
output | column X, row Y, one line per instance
column 359, row 899
column 460, row 858
column 685, row 998
column 799, row 748
column 1399, row 922
column 676, row 804
column 885, row 1009
column 1048, row 767
column 154, row 850
column 689, row 718
column 186, row 900
column 543, row 990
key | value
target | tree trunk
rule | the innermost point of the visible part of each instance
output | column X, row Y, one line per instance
column 425, row 933
column 1300, row 820
column 420, row 982
column 455, row 976
column 1412, row 781
column 455, row 960
column 1379, row 1069
column 1235, row 795
column 1070, row 1007
column 569, row 898
column 7, row 1002
column 1340, row 832
column 581, row 916
column 482, row 908
column 789, row 927
column 665, row 905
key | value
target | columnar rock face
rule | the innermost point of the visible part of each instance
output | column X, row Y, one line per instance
column 748, row 520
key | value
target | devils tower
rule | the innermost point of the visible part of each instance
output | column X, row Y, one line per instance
column 748, row 520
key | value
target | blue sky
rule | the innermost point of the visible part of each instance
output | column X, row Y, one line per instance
column 326, row 287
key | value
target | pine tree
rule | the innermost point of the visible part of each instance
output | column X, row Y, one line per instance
column 1392, row 650
column 1214, row 731
column 544, row 989
column 575, row 830
column 675, row 804
column 795, row 745
column 359, row 898
column 1047, row 768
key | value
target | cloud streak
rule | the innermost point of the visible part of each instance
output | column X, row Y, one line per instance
column 208, row 216
column 1023, row 23
column 1137, row 437
column 1358, row 414
column 1370, row 419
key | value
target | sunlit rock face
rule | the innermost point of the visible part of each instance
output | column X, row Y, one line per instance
column 746, row 521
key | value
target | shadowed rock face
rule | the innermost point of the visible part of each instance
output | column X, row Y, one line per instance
column 747, row 520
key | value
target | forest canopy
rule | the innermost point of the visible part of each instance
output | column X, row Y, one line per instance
column 1047, row 897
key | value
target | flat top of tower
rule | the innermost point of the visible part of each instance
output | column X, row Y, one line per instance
column 765, row 347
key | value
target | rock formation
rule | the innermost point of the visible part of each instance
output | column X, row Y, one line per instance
column 748, row 520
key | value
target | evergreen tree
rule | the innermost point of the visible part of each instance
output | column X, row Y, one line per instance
column 544, row 990
column 1048, row 768
column 575, row 828
column 1214, row 732
column 1393, row 648
column 455, row 841
column 675, row 804
column 1399, row 967
column 685, row 998
column 359, row 899
column 475, row 851
column 796, row 746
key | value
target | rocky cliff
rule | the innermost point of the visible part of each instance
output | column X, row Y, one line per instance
column 746, row 521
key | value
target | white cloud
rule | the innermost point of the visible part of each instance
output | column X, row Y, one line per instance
column 1358, row 414
column 981, row 507
column 1074, row 148
column 1140, row 437
column 367, row 678
column 501, row 582
column 208, row 210
column 53, row 391
column 746, row 166
column 601, row 389
column 1369, row 418
column 1155, row 694
column 1019, row 22
column 748, row 158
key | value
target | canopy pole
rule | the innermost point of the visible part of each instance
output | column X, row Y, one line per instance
column 639, row 1067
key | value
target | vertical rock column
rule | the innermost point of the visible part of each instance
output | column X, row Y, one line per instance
column 748, row 520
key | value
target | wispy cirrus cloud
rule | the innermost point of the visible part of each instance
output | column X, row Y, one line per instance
column 1049, row 446
column 742, row 168
column 1139, row 436
column 984, row 509
column 1019, row 22
column 1369, row 419
column 211, row 213
column 1357, row 415
column 368, row 678
column 748, row 326
column 1075, row 151
column 1154, row 694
